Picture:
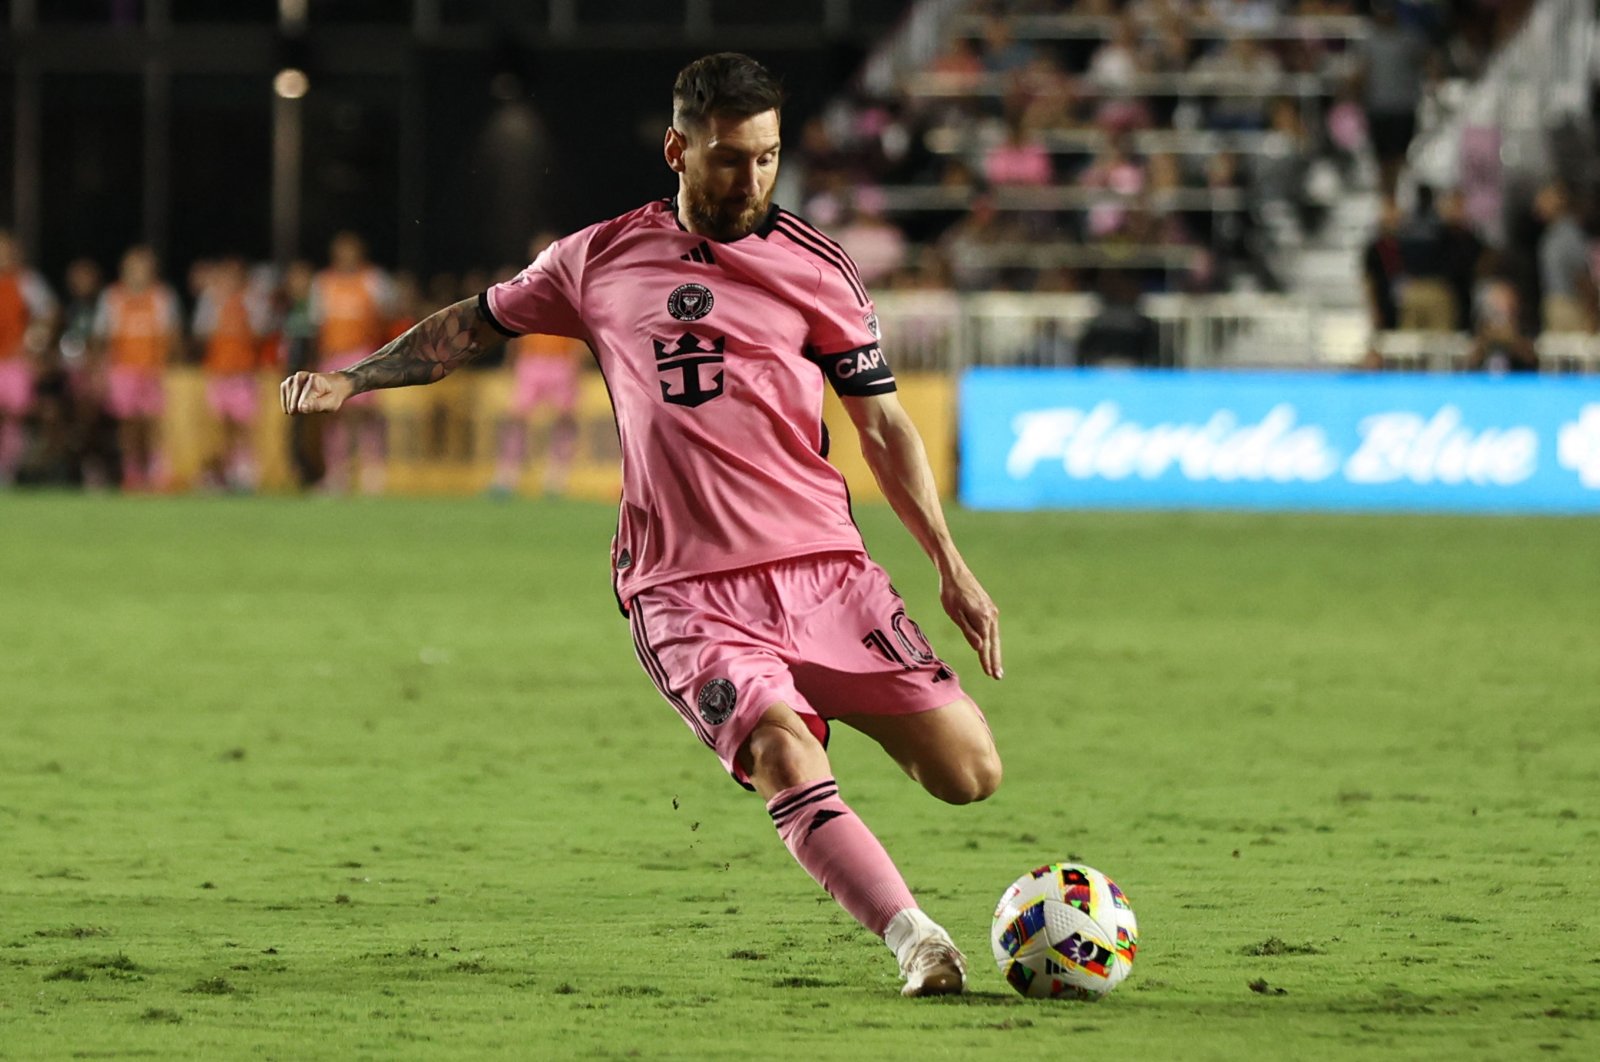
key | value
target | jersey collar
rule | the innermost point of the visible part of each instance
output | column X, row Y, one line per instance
column 763, row 230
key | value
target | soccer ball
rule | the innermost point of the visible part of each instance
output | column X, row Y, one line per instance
column 1064, row 930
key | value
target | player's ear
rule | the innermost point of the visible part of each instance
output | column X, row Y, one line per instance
column 672, row 149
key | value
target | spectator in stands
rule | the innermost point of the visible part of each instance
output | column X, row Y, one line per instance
column 1463, row 255
column 1245, row 74
column 1119, row 61
column 1120, row 334
column 1021, row 159
column 229, row 323
column 960, row 65
column 1389, row 79
column 1113, row 171
column 1565, row 283
column 1499, row 345
column 1380, row 270
column 27, row 311
column 1244, row 17
column 138, row 328
column 875, row 243
column 964, row 246
column 351, row 301
column 1002, row 53
column 1427, row 301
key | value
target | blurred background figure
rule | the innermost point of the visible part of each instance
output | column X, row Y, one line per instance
column 545, row 373
column 229, row 322
column 1499, row 345
column 352, row 302
column 1565, row 282
column 27, row 311
column 1389, row 83
column 1427, row 298
column 91, row 431
column 137, row 330
column 1120, row 334
column 297, row 352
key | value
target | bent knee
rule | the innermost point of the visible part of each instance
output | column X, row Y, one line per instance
column 974, row 781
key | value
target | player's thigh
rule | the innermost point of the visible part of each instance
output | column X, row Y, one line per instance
column 949, row 750
column 731, row 689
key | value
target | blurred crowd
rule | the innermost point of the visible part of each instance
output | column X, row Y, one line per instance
column 84, row 368
column 1428, row 270
column 1219, row 128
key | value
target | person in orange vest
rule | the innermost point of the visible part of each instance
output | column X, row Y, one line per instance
column 137, row 329
column 545, row 374
column 26, row 311
column 352, row 302
column 230, row 322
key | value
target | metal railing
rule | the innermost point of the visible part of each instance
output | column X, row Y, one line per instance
column 947, row 331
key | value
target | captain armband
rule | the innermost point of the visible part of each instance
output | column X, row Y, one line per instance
column 859, row 372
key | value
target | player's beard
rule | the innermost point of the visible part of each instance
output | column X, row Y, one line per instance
column 723, row 220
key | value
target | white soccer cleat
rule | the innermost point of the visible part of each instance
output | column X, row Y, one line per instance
column 933, row 966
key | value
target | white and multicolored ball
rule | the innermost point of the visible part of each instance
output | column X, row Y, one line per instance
column 1064, row 930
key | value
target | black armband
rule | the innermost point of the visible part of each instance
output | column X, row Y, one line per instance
column 858, row 372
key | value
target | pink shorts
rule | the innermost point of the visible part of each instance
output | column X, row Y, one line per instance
column 545, row 381
column 233, row 397
column 134, row 393
column 16, row 386
column 365, row 400
column 825, row 634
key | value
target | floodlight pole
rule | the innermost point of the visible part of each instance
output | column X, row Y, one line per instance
column 26, row 187
column 287, row 147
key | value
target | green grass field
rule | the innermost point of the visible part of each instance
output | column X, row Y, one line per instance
column 309, row 779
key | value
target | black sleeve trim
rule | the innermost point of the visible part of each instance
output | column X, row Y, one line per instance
column 857, row 372
column 494, row 322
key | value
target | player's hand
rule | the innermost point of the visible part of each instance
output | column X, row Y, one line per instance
column 315, row 392
column 970, row 606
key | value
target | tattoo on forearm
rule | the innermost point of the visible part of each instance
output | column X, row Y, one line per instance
column 430, row 351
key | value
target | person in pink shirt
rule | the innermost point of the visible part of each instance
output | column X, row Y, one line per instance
column 26, row 310
column 717, row 318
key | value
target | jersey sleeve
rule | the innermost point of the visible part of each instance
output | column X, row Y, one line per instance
column 843, row 338
column 544, row 298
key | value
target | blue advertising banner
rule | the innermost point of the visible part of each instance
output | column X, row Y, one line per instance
column 1070, row 438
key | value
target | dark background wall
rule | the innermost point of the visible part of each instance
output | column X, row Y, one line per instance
column 445, row 149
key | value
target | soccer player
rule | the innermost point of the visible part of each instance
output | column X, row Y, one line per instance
column 716, row 317
column 25, row 304
column 545, row 374
column 230, row 321
column 351, row 302
column 137, row 326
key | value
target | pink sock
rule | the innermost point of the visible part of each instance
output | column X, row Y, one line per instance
column 838, row 850
column 513, row 455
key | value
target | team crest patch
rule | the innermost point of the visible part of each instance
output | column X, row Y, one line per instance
column 717, row 699
column 871, row 321
column 690, row 302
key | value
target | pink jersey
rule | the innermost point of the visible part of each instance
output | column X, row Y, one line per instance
column 714, row 355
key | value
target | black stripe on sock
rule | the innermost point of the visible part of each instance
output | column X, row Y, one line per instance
column 810, row 790
column 789, row 814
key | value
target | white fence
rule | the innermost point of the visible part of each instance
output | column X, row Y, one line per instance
column 946, row 331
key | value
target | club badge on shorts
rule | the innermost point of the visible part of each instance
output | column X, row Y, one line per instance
column 690, row 302
column 716, row 702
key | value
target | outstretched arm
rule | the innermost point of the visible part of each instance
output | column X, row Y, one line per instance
column 430, row 351
column 894, row 452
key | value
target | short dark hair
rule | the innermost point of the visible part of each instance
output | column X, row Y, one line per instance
column 725, row 83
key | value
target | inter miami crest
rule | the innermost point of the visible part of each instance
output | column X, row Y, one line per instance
column 685, row 359
column 716, row 701
column 690, row 302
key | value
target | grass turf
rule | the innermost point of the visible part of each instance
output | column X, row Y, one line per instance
column 298, row 779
